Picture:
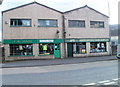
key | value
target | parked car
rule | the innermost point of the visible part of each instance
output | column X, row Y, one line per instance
column 118, row 51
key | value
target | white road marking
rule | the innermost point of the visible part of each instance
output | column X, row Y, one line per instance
column 109, row 83
column 104, row 81
column 115, row 79
column 90, row 84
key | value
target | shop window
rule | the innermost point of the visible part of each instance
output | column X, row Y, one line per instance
column 21, row 49
column 46, row 49
column 79, row 48
column 47, row 23
column 97, row 47
column 96, row 24
column 76, row 23
column 20, row 22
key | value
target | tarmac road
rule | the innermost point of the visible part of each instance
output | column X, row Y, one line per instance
column 90, row 73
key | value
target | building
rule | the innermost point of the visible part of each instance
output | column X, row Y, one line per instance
column 44, row 32
column 87, row 33
column 114, row 38
column 114, row 34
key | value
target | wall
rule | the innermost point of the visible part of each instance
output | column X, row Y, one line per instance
column 88, row 15
column 34, row 12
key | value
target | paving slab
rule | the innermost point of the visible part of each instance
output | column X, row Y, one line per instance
column 39, row 62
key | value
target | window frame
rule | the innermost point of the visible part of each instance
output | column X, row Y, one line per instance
column 17, row 23
column 80, row 48
column 94, row 46
column 16, row 50
column 77, row 24
column 47, row 51
column 48, row 20
column 97, row 22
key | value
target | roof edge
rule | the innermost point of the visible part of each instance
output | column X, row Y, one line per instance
column 84, row 7
column 30, row 4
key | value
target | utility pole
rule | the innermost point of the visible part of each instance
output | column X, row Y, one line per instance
column 109, row 27
column 64, row 35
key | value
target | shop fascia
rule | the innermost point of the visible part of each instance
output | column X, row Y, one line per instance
column 32, row 41
column 88, row 40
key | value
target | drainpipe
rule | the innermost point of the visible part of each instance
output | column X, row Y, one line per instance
column 64, row 34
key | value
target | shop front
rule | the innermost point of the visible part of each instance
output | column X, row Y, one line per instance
column 33, row 48
column 87, row 47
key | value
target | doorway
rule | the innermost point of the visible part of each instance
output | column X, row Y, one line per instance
column 70, row 49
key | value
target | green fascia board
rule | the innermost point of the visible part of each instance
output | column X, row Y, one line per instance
column 19, row 41
column 31, row 41
column 89, row 40
column 58, row 40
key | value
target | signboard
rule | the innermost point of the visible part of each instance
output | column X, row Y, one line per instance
column 46, row 40
column 31, row 41
column 88, row 40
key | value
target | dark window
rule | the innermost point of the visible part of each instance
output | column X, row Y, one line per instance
column 47, row 23
column 79, row 48
column 21, row 49
column 96, row 24
column 76, row 23
column 20, row 22
column 98, row 47
column 46, row 49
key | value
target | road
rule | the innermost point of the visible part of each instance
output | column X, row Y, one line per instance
column 92, row 73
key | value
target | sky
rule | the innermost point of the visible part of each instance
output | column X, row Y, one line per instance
column 107, row 7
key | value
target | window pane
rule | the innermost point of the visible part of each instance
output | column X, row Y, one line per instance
column 13, row 22
column 26, row 22
column 47, row 23
column 21, row 49
column 76, row 23
column 46, row 49
column 79, row 48
column 20, row 22
column 96, row 24
column 98, row 47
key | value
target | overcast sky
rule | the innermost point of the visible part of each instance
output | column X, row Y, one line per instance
column 65, row 5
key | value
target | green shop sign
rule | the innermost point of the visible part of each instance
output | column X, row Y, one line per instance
column 30, row 41
column 88, row 40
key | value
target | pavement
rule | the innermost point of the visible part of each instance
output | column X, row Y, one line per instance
column 33, row 63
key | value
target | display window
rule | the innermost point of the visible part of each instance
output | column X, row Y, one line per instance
column 97, row 47
column 79, row 48
column 21, row 49
column 46, row 49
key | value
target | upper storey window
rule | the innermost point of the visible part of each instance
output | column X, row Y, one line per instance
column 96, row 24
column 76, row 23
column 47, row 23
column 20, row 22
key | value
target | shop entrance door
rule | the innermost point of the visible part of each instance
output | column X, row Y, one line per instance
column 70, row 49
column 57, row 53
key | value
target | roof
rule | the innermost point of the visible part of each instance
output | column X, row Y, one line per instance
column 55, row 9
column 30, row 4
column 85, row 7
